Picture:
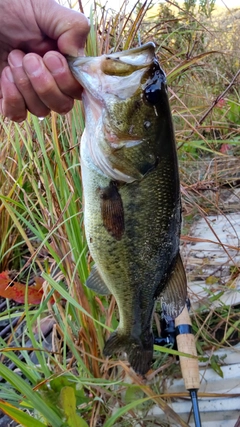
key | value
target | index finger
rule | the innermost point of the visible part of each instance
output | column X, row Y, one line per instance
column 58, row 67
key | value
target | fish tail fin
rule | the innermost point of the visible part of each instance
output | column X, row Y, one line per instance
column 140, row 357
column 139, row 351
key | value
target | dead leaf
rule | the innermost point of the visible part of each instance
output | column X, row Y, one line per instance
column 16, row 291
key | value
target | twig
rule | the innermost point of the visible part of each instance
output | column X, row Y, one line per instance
column 189, row 14
column 218, row 98
column 80, row 6
column 237, row 423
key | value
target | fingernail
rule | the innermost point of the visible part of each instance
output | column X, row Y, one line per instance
column 15, row 60
column 32, row 65
column 8, row 74
column 54, row 63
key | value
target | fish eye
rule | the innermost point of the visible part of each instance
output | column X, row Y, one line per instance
column 153, row 93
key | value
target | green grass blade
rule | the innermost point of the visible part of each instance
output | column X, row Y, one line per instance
column 19, row 416
column 71, row 300
column 30, row 395
column 121, row 411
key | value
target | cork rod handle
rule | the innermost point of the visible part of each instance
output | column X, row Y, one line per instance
column 186, row 344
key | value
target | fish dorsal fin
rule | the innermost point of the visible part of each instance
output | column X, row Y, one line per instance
column 96, row 283
column 174, row 295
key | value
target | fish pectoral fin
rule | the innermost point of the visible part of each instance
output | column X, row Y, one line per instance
column 96, row 283
column 112, row 211
column 174, row 295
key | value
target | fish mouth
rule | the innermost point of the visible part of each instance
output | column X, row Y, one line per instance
column 137, row 57
column 122, row 69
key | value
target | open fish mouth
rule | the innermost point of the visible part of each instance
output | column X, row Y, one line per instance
column 91, row 72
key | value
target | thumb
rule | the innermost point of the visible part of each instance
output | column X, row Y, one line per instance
column 68, row 27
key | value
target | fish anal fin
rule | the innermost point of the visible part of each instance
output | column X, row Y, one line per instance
column 112, row 210
column 174, row 296
column 96, row 283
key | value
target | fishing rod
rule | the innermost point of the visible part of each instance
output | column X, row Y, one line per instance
column 189, row 366
column 178, row 334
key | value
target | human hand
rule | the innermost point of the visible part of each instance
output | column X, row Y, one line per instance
column 34, row 75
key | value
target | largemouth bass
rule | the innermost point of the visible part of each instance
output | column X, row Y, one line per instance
column 132, row 208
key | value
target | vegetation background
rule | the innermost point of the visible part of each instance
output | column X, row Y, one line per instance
column 51, row 366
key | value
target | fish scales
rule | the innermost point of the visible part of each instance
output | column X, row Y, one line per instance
column 134, row 258
column 132, row 207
